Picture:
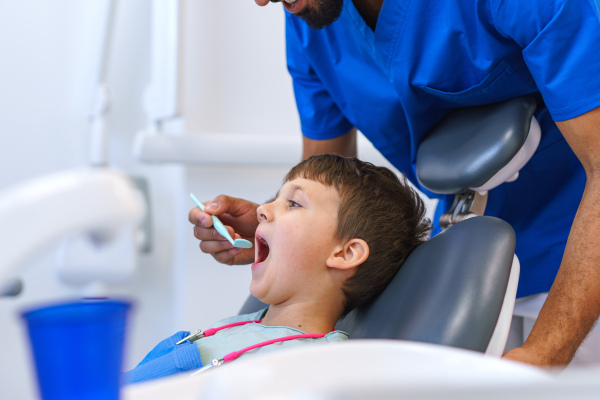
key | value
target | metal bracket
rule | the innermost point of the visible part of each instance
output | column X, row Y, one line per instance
column 11, row 288
column 146, row 231
column 466, row 205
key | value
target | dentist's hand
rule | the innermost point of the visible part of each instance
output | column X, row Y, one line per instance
column 238, row 216
column 528, row 355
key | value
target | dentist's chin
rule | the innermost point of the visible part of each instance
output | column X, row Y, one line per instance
column 263, row 3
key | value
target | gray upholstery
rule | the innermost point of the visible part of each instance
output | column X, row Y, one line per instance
column 252, row 304
column 449, row 291
column 470, row 145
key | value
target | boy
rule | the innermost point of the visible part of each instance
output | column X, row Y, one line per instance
column 333, row 238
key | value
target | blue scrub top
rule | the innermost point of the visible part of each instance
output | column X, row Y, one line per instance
column 426, row 58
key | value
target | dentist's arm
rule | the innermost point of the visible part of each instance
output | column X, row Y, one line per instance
column 239, row 215
column 344, row 145
column 573, row 303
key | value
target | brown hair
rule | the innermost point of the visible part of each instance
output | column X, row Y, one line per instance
column 376, row 207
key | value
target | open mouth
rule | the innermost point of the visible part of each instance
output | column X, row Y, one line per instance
column 262, row 249
column 293, row 6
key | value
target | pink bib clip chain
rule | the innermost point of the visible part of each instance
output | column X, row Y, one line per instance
column 199, row 334
column 192, row 337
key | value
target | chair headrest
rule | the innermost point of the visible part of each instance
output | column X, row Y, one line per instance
column 468, row 147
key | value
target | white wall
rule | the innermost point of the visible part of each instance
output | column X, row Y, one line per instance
column 236, row 78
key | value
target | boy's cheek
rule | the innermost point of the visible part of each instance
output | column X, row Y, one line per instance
column 295, row 253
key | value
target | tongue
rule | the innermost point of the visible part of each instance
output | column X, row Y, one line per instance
column 263, row 252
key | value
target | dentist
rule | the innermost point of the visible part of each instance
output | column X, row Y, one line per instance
column 395, row 68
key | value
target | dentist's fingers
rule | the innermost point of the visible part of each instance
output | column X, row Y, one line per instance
column 238, row 216
column 211, row 234
column 219, row 249
column 237, row 213
column 262, row 3
column 233, row 206
column 223, row 251
column 200, row 218
column 211, row 242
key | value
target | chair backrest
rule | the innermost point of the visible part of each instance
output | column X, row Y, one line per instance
column 449, row 291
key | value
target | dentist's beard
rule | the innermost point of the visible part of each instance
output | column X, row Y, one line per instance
column 320, row 13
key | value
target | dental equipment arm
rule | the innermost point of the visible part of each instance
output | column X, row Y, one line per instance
column 37, row 214
column 573, row 303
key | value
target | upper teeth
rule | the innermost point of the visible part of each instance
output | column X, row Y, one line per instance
column 263, row 241
column 290, row 1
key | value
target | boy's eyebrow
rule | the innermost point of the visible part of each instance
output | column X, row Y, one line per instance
column 293, row 188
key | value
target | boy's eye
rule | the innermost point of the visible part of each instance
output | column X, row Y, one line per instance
column 292, row 203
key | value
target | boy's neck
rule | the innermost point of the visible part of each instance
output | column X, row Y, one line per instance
column 308, row 317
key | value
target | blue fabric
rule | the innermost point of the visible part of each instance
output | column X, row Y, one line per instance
column 165, row 359
column 426, row 58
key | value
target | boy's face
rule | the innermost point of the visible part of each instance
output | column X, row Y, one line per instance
column 295, row 236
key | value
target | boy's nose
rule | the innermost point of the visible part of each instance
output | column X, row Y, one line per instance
column 262, row 212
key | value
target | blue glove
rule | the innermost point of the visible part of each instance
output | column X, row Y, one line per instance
column 166, row 359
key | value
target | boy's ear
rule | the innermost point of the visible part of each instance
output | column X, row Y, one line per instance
column 353, row 253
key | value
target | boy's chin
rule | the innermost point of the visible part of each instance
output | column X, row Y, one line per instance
column 262, row 294
column 254, row 291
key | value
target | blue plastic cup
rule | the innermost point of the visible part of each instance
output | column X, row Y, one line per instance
column 78, row 348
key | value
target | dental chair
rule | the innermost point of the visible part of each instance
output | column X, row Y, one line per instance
column 458, row 289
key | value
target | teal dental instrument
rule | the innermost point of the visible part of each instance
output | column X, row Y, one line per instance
column 242, row 243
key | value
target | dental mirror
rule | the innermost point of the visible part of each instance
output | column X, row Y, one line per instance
column 241, row 243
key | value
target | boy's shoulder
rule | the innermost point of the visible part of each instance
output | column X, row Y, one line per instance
column 256, row 316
